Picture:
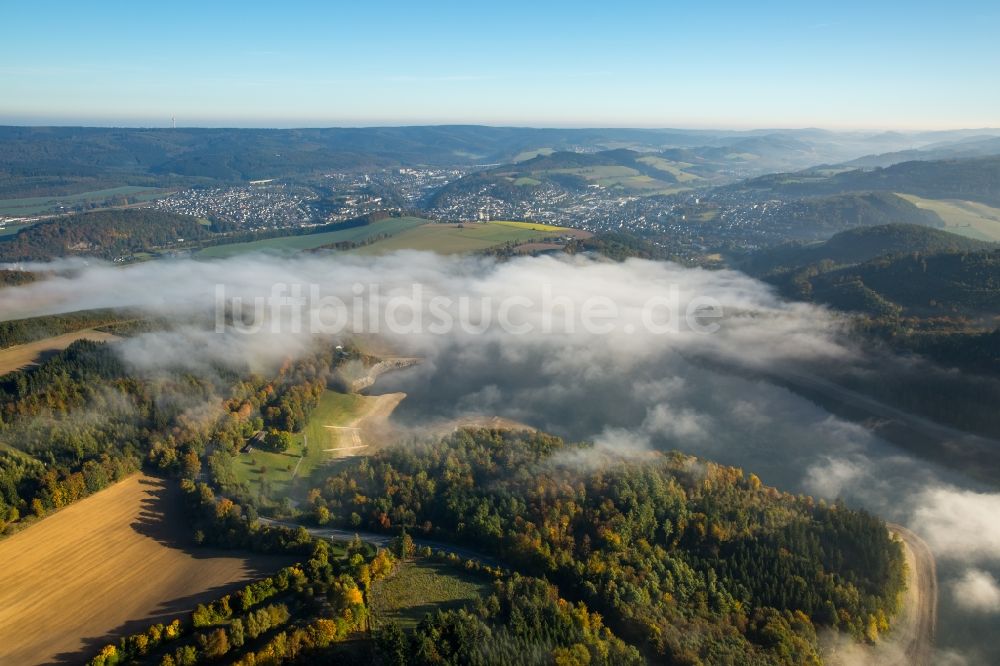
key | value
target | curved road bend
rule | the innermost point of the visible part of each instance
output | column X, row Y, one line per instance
column 913, row 631
column 917, row 622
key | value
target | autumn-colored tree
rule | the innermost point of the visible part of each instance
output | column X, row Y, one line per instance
column 190, row 464
column 215, row 643
column 403, row 546
column 382, row 565
column 278, row 440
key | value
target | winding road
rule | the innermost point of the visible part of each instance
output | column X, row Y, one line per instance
column 910, row 644
column 385, row 540
column 917, row 622
column 912, row 640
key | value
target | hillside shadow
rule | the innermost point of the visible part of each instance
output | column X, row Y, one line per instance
column 166, row 612
column 417, row 612
column 161, row 519
column 45, row 355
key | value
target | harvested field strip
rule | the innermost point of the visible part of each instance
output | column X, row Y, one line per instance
column 106, row 566
column 21, row 356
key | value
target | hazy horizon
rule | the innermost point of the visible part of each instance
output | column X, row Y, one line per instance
column 180, row 123
column 855, row 66
column 500, row 333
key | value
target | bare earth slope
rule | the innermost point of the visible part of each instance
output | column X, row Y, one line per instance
column 106, row 566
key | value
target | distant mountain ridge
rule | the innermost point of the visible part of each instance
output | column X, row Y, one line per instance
column 980, row 146
column 43, row 159
column 973, row 179
column 816, row 218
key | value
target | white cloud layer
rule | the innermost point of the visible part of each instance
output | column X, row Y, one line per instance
column 959, row 524
column 629, row 389
column 977, row 591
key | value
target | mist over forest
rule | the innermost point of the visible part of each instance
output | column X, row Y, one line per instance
column 628, row 389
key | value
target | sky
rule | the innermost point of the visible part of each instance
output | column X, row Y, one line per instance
column 872, row 65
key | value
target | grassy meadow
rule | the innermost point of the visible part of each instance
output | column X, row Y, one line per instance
column 533, row 226
column 281, row 470
column 391, row 226
column 625, row 177
column 525, row 155
column 421, row 587
column 966, row 218
column 11, row 229
column 40, row 205
column 675, row 169
column 457, row 238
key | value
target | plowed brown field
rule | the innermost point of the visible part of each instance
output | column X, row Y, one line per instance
column 107, row 566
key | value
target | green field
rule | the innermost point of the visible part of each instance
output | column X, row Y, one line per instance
column 600, row 173
column 621, row 176
column 39, row 205
column 11, row 229
column 531, row 154
column 391, row 226
column 524, row 181
column 454, row 239
column 418, row 588
column 335, row 409
column 533, row 226
column 675, row 169
column 966, row 218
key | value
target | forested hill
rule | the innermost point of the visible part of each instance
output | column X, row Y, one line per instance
column 970, row 179
column 642, row 173
column 620, row 246
column 888, row 271
column 820, row 217
column 9, row 278
column 858, row 245
column 108, row 234
column 691, row 561
column 946, row 284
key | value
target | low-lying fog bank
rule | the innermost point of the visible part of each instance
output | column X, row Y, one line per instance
column 631, row 355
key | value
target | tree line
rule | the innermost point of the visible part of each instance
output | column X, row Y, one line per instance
column 82, row 420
